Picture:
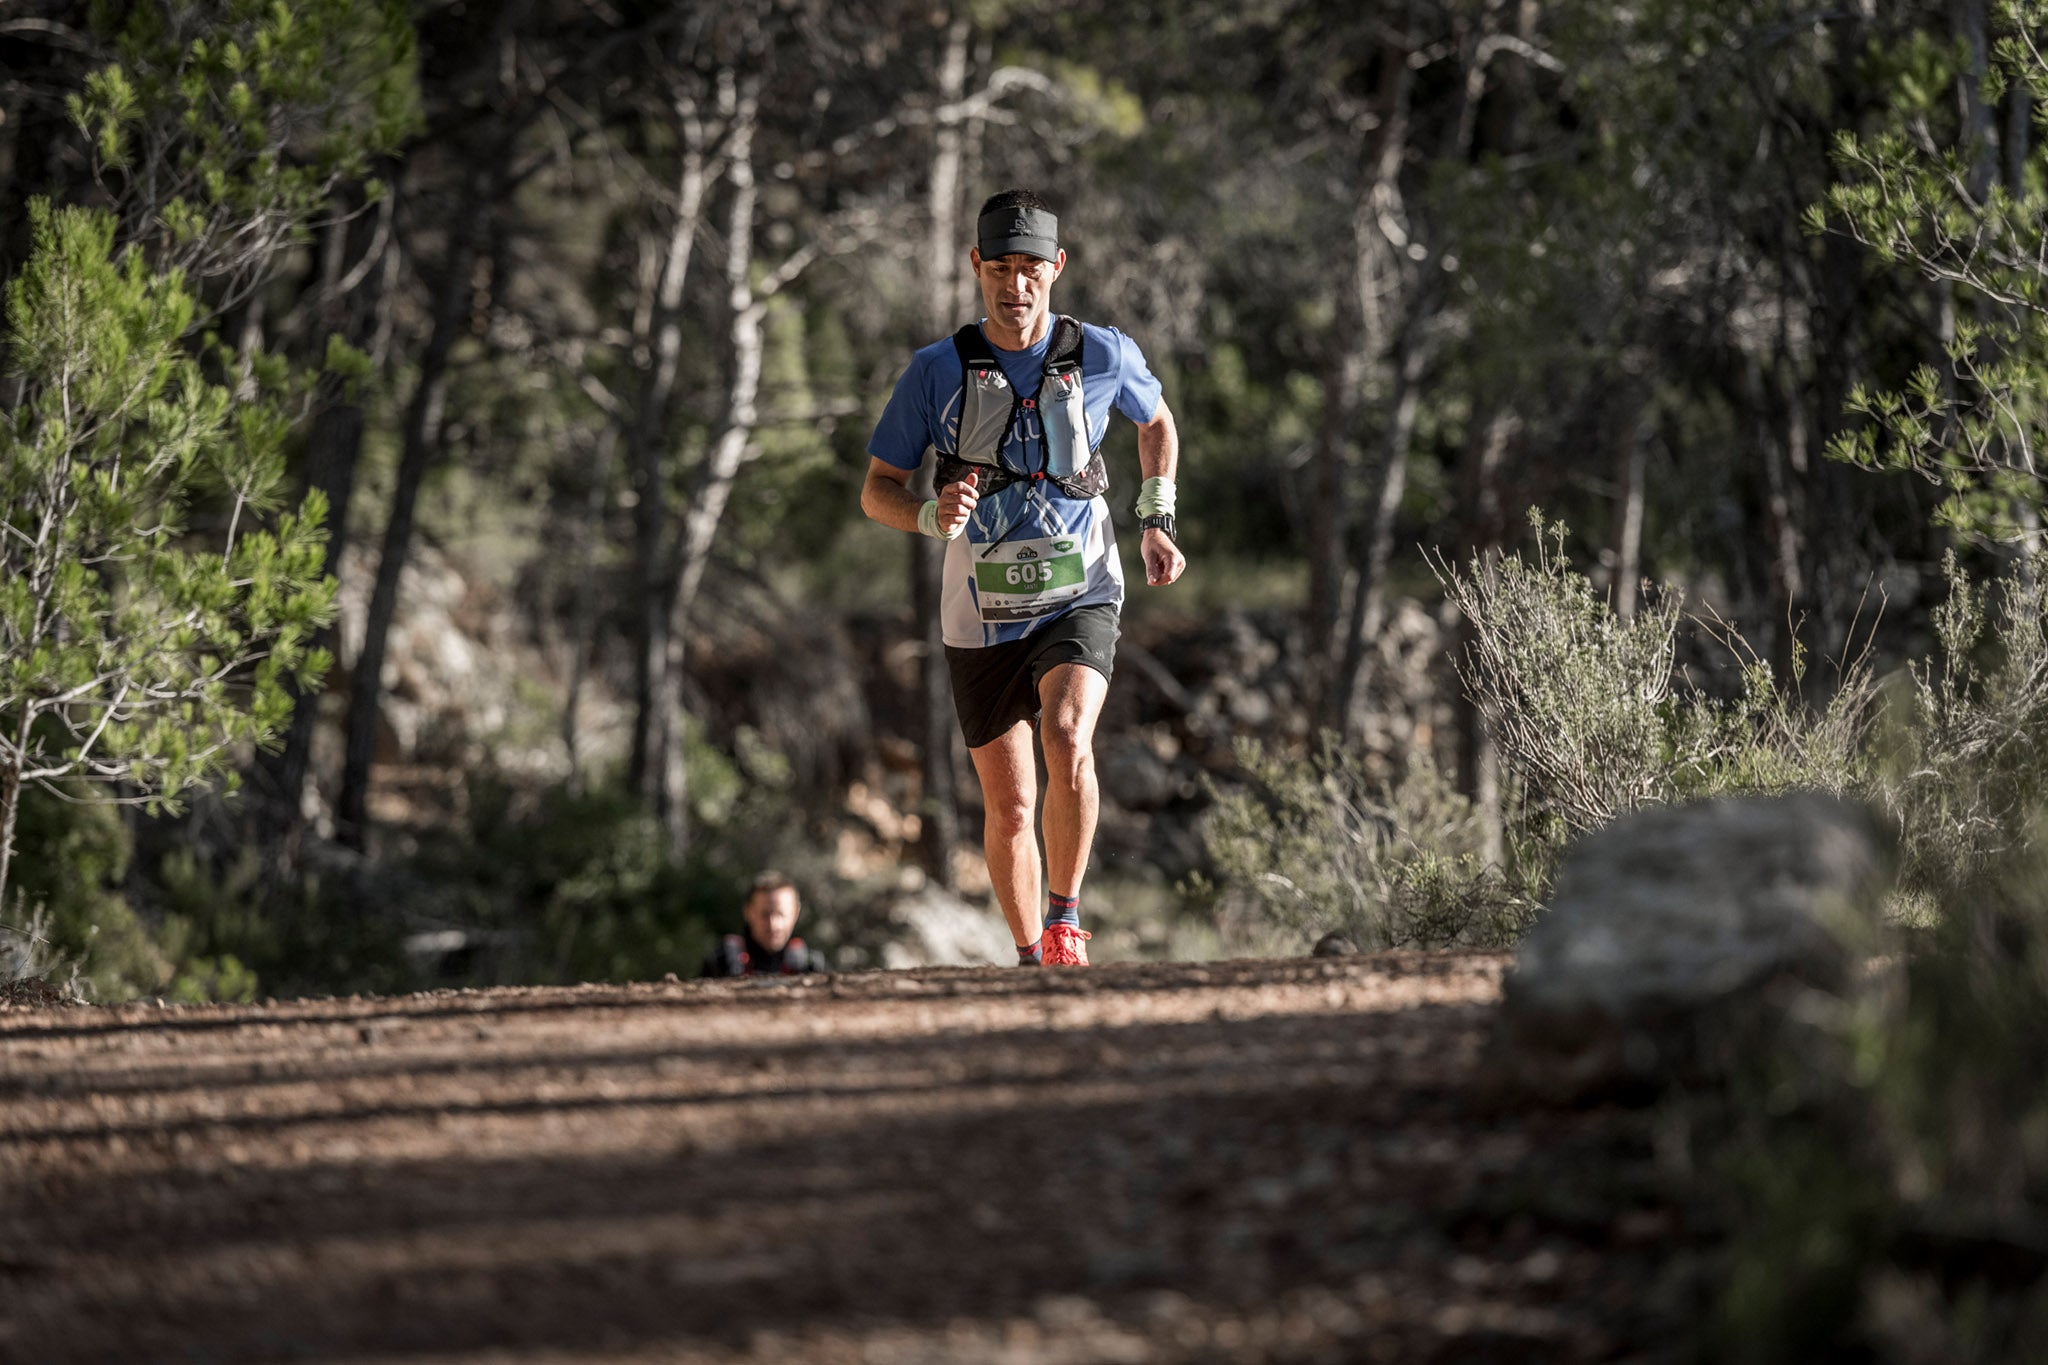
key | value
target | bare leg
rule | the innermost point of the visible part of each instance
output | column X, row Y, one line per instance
column 1071, row 696
column 1009, row 793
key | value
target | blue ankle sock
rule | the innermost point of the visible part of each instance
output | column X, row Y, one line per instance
column 1031, row 953
column 1063, row 910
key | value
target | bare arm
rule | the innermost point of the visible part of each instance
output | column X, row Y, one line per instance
column 1159, row 457
column 886, row 497
column 1159, row 444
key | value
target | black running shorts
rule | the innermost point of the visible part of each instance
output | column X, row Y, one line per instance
column 997, row 686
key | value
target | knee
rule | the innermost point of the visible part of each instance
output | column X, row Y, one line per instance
column 1069, row 750
column 1009, row 817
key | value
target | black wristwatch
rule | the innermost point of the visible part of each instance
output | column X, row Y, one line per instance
column 1164, row 521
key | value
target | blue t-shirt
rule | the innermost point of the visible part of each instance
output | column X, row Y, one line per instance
column 1030, row 518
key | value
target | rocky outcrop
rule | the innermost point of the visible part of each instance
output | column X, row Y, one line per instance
column 1676, row 928
column 934, row 928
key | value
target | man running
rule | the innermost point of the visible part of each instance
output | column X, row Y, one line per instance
column 1013, row 410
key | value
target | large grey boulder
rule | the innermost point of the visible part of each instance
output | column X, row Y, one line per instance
column 1677, row 927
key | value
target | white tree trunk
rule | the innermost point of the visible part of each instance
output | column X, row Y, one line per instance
column 714, row 484
column 648, row 446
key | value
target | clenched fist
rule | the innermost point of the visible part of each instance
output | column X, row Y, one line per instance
column 956, row 505
column 1163, row 559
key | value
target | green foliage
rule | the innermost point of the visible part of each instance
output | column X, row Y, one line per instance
column 201, row 936
column 1592, row 723
column 1319, row 845
column 1972, row 766
column 133, row 652
column 74, row 886
column 229, row 931
column 1579, row 697
column 1941, row 208
column 1887, row 1178
column 223, row 125
column 586, row 882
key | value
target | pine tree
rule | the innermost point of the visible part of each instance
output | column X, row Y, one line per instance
column 1967, row 207
column 134, row 651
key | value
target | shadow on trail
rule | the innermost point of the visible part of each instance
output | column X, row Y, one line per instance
column 1246, row 1166
column 878, row 987
column 339, row 1066
column 902, row 1222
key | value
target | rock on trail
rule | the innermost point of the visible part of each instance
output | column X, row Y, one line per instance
column 1243, row 1161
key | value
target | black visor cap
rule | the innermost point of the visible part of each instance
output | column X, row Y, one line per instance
column 1006, row 232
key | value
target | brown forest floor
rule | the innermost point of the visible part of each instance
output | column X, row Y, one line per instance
column 1243, row 1161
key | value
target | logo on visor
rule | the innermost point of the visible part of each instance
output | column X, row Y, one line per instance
column 1020, row 227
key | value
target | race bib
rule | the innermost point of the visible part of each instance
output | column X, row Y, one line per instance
column 1020, row 580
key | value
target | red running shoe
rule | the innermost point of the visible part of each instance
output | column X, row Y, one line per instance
column 1065, row 946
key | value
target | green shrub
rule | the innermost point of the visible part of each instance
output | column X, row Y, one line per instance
column 1579, row 699
column 232, row 931
column 1593, row 722
column 1319, row 845
column 67, row 910
column 582, row 883
column 1886, row 1182
column 1971, row 764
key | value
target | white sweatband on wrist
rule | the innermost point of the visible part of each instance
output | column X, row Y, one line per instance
column 1155, row 497
column 928, row 520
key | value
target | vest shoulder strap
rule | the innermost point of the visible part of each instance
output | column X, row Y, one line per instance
column 1065, row 351
column 1063, row 354
column 735, row 949
column 973, row 348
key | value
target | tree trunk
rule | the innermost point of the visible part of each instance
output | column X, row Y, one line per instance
column 1979, row 120
column 649, row 445
column 1368, row 604
column 1328, row 526
column 10, row 807
column 422, row 437
column 1482, row 528
column 1377, row 278
column 1628, row 528
column 714, row 484
column 332, row 448
column 938, row 812
column 583, row 613
column 2019, row 112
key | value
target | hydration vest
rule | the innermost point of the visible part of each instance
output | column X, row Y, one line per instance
column 988, row 412
column 795, row 957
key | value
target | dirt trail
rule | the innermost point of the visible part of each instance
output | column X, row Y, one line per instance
column 1247, row 1161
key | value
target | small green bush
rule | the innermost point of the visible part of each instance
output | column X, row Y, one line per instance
column 233, row 931
column 1593, row 721
column 1886, row 1182
column 1579, row 699
column 1970, row 766
column 67, row 898
column 1319, row 845
column 581, row 882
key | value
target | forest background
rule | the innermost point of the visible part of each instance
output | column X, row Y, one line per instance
column 570, row 322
